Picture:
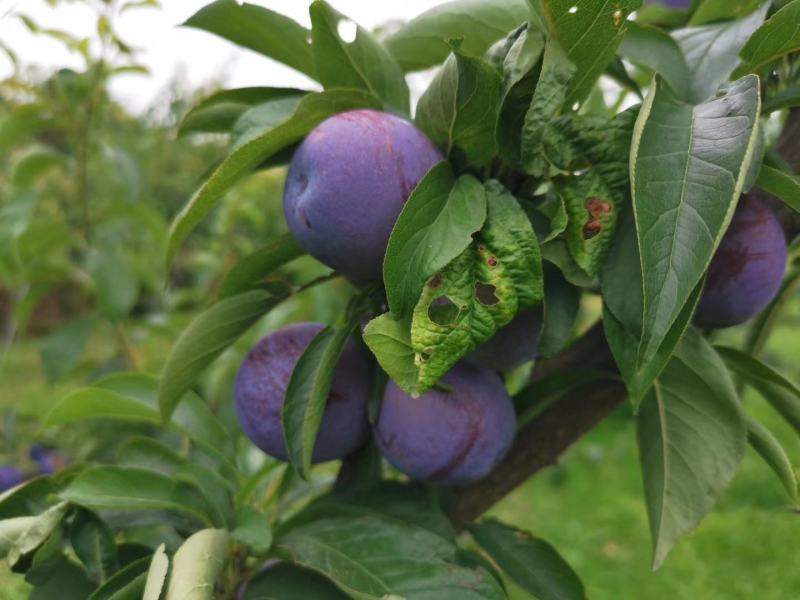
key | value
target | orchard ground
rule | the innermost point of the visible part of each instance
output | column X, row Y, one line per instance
column 590, row 507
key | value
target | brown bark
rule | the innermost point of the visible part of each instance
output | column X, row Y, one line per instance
column 541, row 442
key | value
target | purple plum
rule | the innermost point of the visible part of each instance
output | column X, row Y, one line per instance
column 513, row 344
column 261, row 384
column 448, row 437
column 347, row 184
column 10, row 477
column 748, row 268
column 677, row 4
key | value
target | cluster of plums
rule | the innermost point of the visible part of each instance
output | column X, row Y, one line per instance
column 47, row 462
column 346, row 186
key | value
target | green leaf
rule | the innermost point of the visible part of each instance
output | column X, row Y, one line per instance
column 93, row 543
column 590, row 32
column 259, row 29
column 197, row 564
column 308, row 388
column 780, row 392
column 219, row 112
column 688, row 167
column 459, row 110
column 372, row 557
column 762, row 327
column 777, row 37
column 21, row 535
column 156, row 575
column 360, row 63
column 781, row 184
column 33, row 164
column 653, row 49
column 437, row 223
column 423, row 42
column 531, row 563
column 262, row 117
column 712, row 52
column 126, row 584
column 67, row 582
column 548, row 98
column 62, row 350
column 389, row 340
column 788, row 98
column 254, row 268
column 21, row 124
column 285, row 581
column 561, row 306
column 480, row 291
column 115, row 284
column 311, row 110
column 252, row 528
column 692, row 436
column 770, row 449
column 120, row 488
column 206, row 337
column 722, row 10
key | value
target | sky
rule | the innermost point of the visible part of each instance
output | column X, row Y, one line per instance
column 196, row 56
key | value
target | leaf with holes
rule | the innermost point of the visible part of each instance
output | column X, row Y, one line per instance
column 479, row 292
column 359, row 63
column 692, row 436
column 459, row 110
column 437, row 223
column 590, row 32
column 688, row 167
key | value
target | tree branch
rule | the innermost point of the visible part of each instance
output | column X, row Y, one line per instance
column 540, row 443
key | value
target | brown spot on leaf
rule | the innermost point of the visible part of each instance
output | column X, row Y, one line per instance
column 492, row 261
column 597, row 207
column 592, row 228
column 435, row 281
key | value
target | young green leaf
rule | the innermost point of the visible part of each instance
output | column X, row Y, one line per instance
column 780, row 184
column 423, row 42
column 259, row 29
column 359, row 63
column 787, row 98
column 93, row 543
column 206, row 337
column 479, row 292
column 156, row 575
column 259, row 146
column 22, row 535
column 655, row 50
column 692, row 436
column 389, row 339
column 770, row 449
column 308, row 388
column 373, row 557
column 777, row 37
column 590, row 32
column 531, row 563
column 197, row 565
column 688, row 167
column 219, row 112
column 252, row 528
column 253, row 268
column 118, row 488
column 459, row 110
column 712, row 52
column 437, row 223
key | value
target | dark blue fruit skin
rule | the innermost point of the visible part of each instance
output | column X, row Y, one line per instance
column 10, row 477
column 261, row 384
column 680, row 4
column 444, row 437
column 512, row 345
column 748, row 268
column 347, row 184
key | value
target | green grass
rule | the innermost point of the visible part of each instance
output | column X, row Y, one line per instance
column 591, row 506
